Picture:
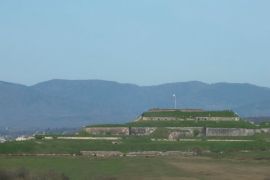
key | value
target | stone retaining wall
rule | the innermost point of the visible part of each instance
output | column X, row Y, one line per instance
column 115, row 131
column 136, row 154
column 123, row 131
column 263, row 130
column 229, row 132
column 142, row 131
column 217, row 118
column 176, row 132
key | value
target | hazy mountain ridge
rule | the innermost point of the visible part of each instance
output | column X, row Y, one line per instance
column 67, row 103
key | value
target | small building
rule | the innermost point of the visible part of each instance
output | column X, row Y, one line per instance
column 24, row 138
column 2, row 140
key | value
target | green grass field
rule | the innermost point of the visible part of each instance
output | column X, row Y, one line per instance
column 132, row 143
column 215, row 160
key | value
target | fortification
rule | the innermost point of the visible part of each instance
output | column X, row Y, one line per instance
column 188, row 114
column 180, row 123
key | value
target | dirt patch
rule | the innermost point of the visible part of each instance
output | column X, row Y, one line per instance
column 223, row 170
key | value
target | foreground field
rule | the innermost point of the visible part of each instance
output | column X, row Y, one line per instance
column 160, row 168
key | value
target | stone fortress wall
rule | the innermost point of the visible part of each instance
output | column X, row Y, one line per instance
column 177, row 114
column 176, row 131
column 115, row 131
column 120, row 131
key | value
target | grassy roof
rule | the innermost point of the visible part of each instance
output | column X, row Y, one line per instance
column 180, row 114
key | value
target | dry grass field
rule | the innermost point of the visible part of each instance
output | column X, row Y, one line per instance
column 207, row 168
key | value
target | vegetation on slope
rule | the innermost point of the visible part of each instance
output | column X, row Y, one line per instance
column 175, row 123
column 24, row 174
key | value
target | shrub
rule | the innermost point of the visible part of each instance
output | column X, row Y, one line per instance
column 197, row 151
column 39, row 137
column 196, row 132
column 24, row 174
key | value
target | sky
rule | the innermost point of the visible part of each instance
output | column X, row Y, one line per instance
column 145, row 42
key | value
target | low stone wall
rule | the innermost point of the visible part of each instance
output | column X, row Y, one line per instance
column 178, row 153
column 102, row 153
column 115, row 131
column 144, row 153
column 107, row 154
column 90, row 138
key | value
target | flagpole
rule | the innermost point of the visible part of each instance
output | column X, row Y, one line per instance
column 174, row 101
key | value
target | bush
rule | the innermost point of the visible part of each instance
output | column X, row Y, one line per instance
column 197, row 151
column 160, row 132
column 39, row 137
column 24, row 174
column 105, row 178
column 196, row 132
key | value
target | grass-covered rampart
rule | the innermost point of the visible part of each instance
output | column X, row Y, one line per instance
column 184, row 115
column 212, row 124
column 187, row 123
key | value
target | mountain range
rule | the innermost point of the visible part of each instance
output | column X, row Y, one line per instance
column 74, row 103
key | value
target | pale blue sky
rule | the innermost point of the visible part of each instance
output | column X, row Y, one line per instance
column 136, row 41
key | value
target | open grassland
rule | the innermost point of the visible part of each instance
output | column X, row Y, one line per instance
column 241, row 160
column 156, row 168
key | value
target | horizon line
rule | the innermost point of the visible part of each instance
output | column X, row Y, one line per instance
column 114, row 81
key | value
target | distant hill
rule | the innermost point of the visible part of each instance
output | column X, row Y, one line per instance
column 72, row 103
